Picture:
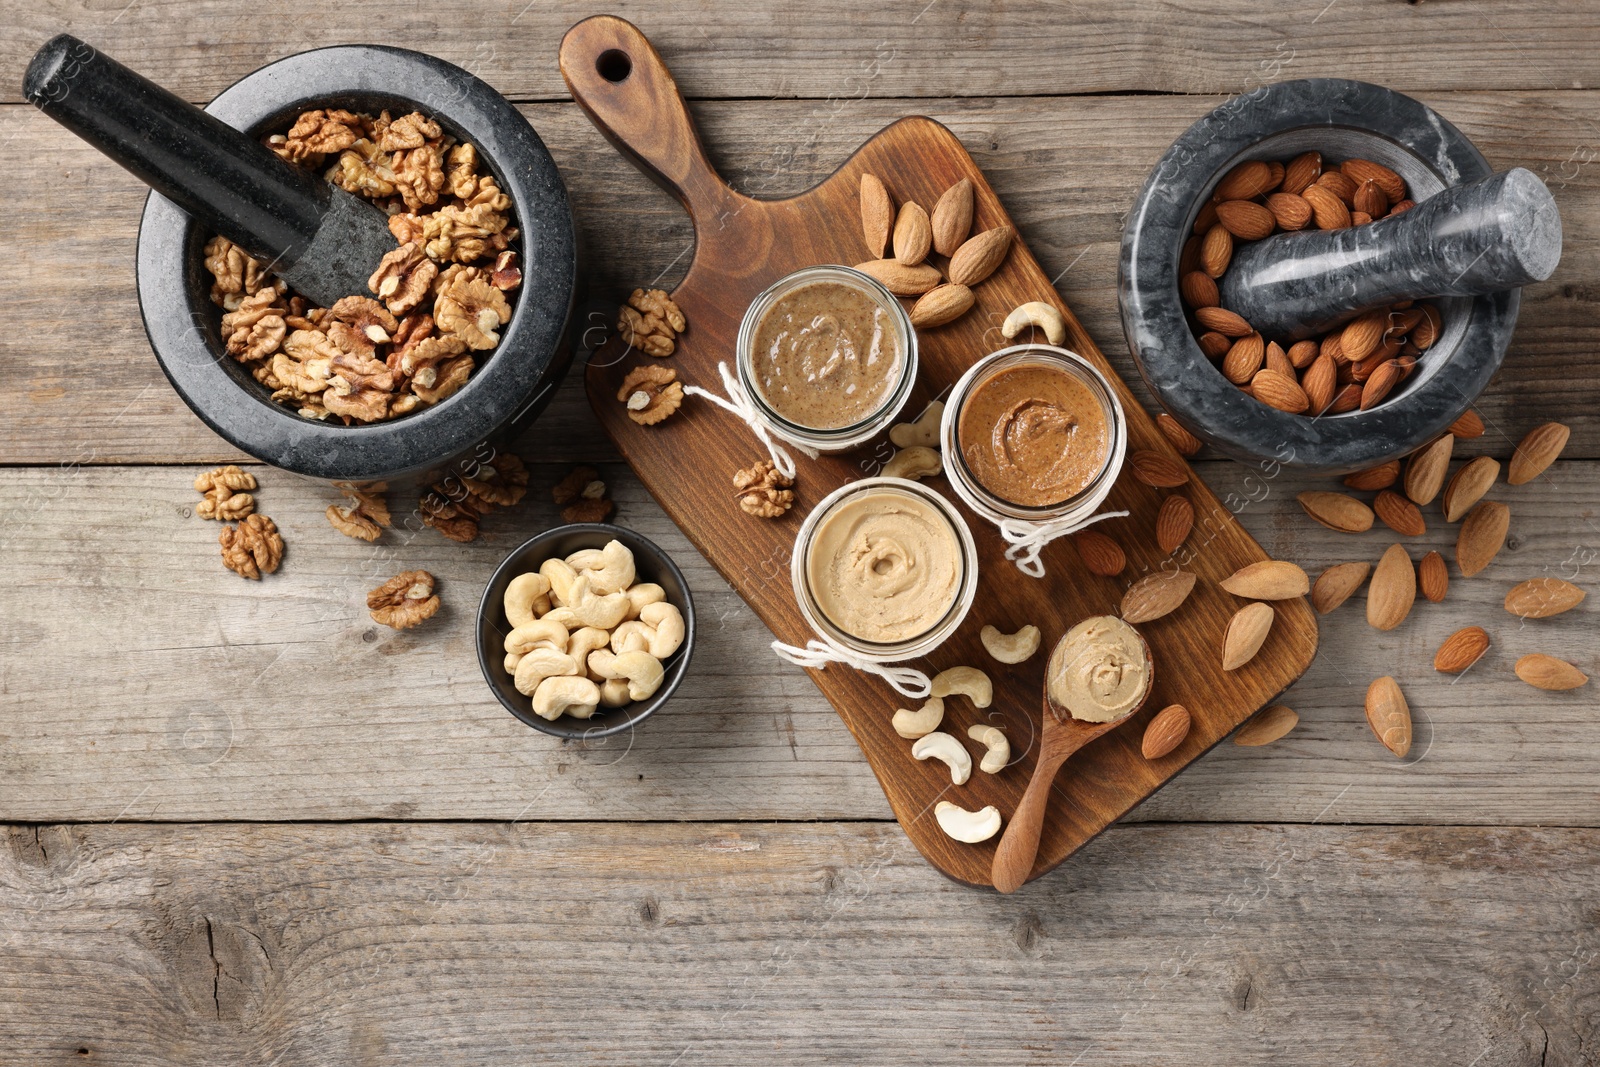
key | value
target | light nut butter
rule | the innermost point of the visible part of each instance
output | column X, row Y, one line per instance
column 1100, row 671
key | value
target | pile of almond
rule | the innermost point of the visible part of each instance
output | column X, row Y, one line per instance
column 1354, row 367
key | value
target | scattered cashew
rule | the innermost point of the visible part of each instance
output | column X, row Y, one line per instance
column 614, row 693
column 998, row 752
column 540, row 664
column 666, row 628
column 527, row 597
column 968, row 681
column 1036, row 313
column 642, row 670
column 540, row 633
column 562, row 695
column 924, row 431
column 642, row 596
column 914, row 724
column 560, row 576
column 609, row 569
column 630, row 636
column 1010, row 648
column 968, row 826
column 586, row 640
column 942, row 746
column 918, row 461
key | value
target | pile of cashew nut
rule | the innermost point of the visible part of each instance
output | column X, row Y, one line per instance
column 922, row 725
column 585, row 635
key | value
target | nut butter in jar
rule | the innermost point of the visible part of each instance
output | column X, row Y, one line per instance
column 1034, row 434
column 828, row 357
column 885, row 568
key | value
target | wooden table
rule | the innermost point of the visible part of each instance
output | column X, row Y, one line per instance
column 246, row 825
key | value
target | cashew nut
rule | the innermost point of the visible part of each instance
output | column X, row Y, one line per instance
column 642, row 596
column 610, row 569
column 630, row 636
column 918, row 461
column 1036, row 313
column 942, row 746
column 968, row 826
column 560, row 695
column 540, row 633
column 926, row 719
column 600, row 663
column 527, row 597
column 613, row 693
column 666, row 628
column 540, row 664
column 560, row 576
column 1010, row 648
column 999, row 749
column 925, row 431
column 584, row 641
column 512, row 659
column 584, row 608
column 968, row 681
column 642, row 670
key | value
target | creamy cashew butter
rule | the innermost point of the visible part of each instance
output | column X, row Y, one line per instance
column 884, row 566
column 1100, row 672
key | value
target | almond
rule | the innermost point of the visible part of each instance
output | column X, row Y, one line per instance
column 1337, row 511
column 1156, row 595
column 1165, row 732
column 1199, row 289
column 913, row 234
column 1433, row 577
column 1278, row 390
column 900, row 279
column 1278, row 360
column 1461, row 650
column 1189, row 257
column 1402, row 207
column 980, row 255
column 1359, row 218
column 1371, row 200
column 1245, row 219
column 1348, row 398
column 1393, row 589
column 1380, row 384
column 1540, row 598
column 1214, row 344
column 1320, row 382
column 1224, row 322
column 1268, row 579
column 1302, row 354
column 941, row 304
column 1425, row 469
column 877, row 215
column 1244, row 358
column 1396, row 512
column 1340, row 185
column 1158, row 469
column 1380, row 477
column 1360, row 337
column 1216, row 250
column 1468, row 485
column 1537, row 451
column 1184, row 441
column 1336, row 585
column 1389, row 715
column 1244, row 182
column 1364, row 170
column 1206, row 218
column 1173, row 522
column 1326, row 208
column 1483, row 533
column 1302, row 171
column 1426, row 333
column 1099, row 553
column 1247, row 631
column 1547, row 672
column 1329, row 346
column 1289, row 210
column 1277, row 175
column 952, row 217
column 1470, row 424
column 1268, row 725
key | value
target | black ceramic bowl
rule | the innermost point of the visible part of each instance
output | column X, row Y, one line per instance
column 509, row 387
column 652, row 565
column 1343, row 119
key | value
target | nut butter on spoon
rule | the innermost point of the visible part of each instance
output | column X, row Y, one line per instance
column 1099, row 674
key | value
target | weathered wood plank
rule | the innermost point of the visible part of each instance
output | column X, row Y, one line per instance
column 840, row 51
column 800, row 944
column 84, row 387
column 140, row 680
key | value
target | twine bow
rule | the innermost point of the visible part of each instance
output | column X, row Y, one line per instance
column 739, row 403
column 907, row 681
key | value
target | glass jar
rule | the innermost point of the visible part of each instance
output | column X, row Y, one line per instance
column 862, row 430
column 1076, row 508
column 911, row 646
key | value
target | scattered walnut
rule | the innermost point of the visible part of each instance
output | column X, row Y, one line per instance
column 365, row 513
column 586, row 510
column 763, row 490
column 231, row 477
column 404, row 277
column 404, row 600
column 651, row 393
column 252, row 547
column 503, row 481
column 651, row 322
column 572, row 486
column 224, row 489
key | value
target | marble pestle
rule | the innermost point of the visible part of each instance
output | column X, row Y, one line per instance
column 1485, row 236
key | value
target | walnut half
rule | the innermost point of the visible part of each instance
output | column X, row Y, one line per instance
column 763, row 490
column 651, row 322
column 252, row 547
column 404, row 600
column 651, row 393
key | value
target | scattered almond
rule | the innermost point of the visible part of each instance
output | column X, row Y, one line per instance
column 1389, row 715
column 1185, row 442
column 1547, row 672
column 1245, row 182
column 1336, row 585
column 1158, row 469
column 1468, row 486
column 941, row 304
column 1268, row 579
column 1156, row 595
column 1483, row 533
column 900, row 279
column 952, row 217
column 1393, row 589
column 1267, row 726
column 1099, row 553
column 1337, row 511
column 1165, row 732
column 1247, row 631
column 1173, row 522
column 1433, row 577
column 1461, row 650
column 980, row 255
column 877, row 215
column 1395, row 512
column 1223, row 321
column 1537, row 451
column 913, row 234
column 1540, row 598
column 1470, row 424
column 1426, row 467
column 1216, row 250
column 1245, row 219
column 1380, row 477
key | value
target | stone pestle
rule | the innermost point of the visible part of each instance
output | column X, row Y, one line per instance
column 1485, row 236
column 323, row 241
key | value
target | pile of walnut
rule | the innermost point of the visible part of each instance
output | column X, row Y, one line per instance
column 253, row 547
column 586, row 634
column 441, row 294
column 456, row 504
column 651, row 323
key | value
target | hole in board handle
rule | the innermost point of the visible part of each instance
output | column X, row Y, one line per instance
column 614, row 65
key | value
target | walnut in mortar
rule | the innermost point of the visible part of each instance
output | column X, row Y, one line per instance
column 650, row 321
column 252, row 547
column 404, row 600
column 764, row 491
column 651, row 393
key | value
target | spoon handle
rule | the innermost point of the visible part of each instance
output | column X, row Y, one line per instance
column 1019, row 845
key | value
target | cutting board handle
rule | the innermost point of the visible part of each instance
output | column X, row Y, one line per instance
column 619, row 79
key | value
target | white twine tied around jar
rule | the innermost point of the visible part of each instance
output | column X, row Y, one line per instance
column 739, row 403
column 907, row 681
column 1027, row 539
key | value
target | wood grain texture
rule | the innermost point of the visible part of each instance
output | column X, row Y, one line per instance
column 743, row 246
column 1065, row 169
column 533, row 943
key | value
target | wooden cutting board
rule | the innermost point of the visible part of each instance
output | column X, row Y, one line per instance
column 742, row 246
